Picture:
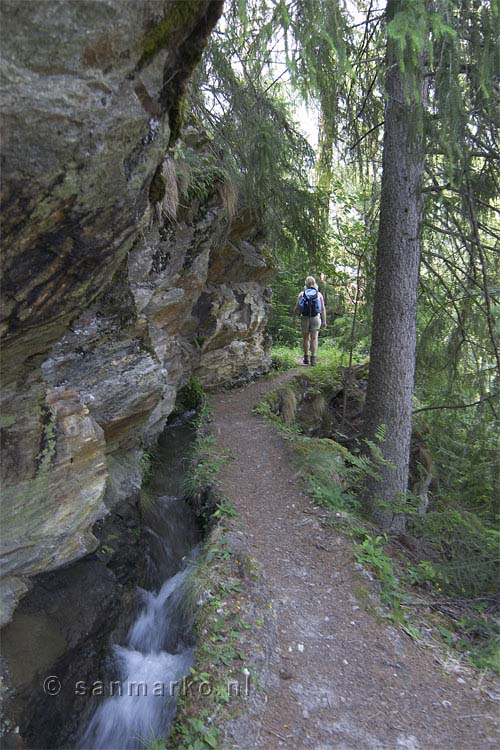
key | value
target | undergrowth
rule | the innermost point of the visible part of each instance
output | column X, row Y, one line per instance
column 207, row 461
column 284, row 358
column 468, row 552
column 459, row 572
column 198, row 172
column 330, row 359
column 370, row 553
column 206, row 466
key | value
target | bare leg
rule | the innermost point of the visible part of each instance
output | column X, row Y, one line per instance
column 314, row 343
column 305, row 343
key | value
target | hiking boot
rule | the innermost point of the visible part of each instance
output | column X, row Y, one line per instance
column 313, row 360
column 306, row 359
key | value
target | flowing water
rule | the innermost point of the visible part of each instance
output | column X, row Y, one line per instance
column 159, row 648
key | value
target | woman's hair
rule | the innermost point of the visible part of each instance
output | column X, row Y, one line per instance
column 311, row 282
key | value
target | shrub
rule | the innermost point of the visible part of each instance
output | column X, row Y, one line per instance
column 190, row 396
column 284, row 358
column 468, row 551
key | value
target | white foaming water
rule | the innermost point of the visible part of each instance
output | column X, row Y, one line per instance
column 147, row 705
column 144, row 696
column 150, row 630
column 159, row 648
column 150, row 667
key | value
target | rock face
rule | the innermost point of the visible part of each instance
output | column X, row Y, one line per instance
column 114, row 295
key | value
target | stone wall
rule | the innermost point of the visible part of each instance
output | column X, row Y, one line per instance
column 110, row 301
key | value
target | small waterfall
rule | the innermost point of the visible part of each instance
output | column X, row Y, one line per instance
column 148, row 672
column 159, row 650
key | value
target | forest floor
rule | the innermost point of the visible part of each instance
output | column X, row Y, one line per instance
column 339, row 676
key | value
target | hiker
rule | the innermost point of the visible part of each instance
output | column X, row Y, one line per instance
column 311, row 305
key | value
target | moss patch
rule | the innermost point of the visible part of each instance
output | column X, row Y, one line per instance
column 48, row 440
column 158, row 187
column 7, row 420
column 180, row 15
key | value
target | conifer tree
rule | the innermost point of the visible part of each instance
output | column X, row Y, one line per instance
column 389, row 398
column 453, row 47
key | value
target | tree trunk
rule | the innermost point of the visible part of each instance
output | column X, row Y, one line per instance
column 389, row 397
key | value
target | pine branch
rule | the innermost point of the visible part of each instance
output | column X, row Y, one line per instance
column 482, row 400
column 436, row 188
column 373, row 18
column 365, row 135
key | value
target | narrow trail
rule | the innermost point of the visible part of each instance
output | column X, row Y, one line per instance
column 340, row 677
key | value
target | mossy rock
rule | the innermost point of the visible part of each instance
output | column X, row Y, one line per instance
column 159, row 37
column 158, row 187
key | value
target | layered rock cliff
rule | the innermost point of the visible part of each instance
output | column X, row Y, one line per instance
column 122, row 277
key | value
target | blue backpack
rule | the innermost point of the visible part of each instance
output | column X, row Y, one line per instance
column 310, row 303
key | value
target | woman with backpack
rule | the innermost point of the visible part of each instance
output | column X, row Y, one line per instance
column 311, row 305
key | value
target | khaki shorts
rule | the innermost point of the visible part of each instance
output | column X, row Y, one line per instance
column 310, row 324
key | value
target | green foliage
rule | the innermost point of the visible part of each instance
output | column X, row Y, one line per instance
column 334, row 474
column 47, row 449
column 248, row 111
column 468, row 558
column 425, row 573
column 286, row 287
column 350, row 244
column 339, row 65
column 479, row 638
column 370, row 553
column 225, row 508
column 206, row 466
column 463, row 442
column 476, row 636
column 375, row 449
column 155, row 743
column 326, row 373
column 199, row 171
column 283, row 358
column 324, row 465
column 196, row 734
column 191, row 396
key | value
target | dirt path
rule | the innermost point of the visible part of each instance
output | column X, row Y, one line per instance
column 340, row 678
